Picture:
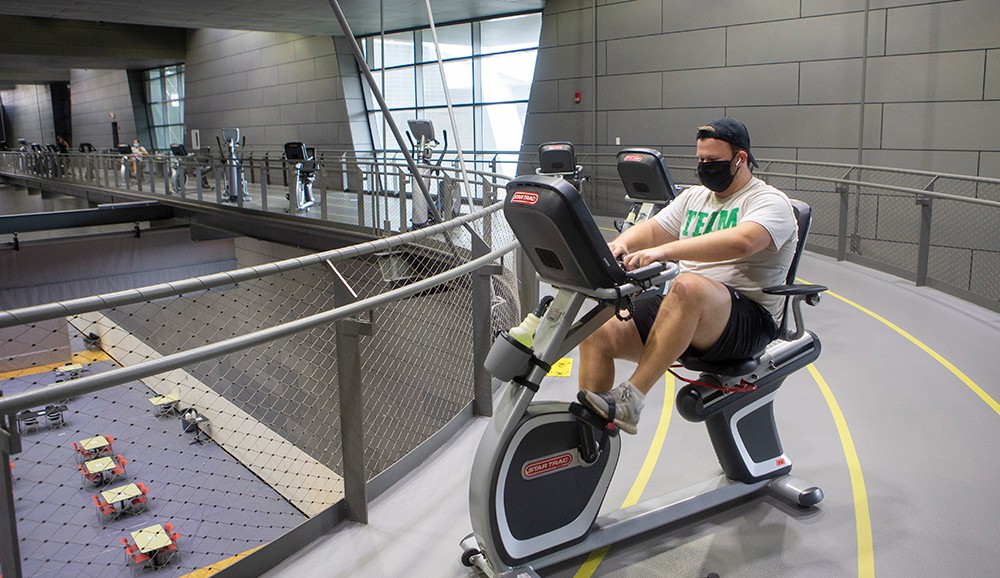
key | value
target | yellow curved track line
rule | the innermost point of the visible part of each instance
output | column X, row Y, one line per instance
column 947, row 364
column 597, row 556
column 862, row 516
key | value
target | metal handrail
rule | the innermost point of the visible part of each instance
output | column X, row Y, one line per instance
column 16, row 402
column 36, row 313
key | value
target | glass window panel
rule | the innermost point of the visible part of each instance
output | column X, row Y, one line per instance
column 155, row 73
column 175, row 114
column 170, row 88
column 398, row 49
column 159, row 116
column 442, row 122
column 459, row 76
column 455, row 41
column 176, row 134
column 507, row 76
column 502, row 125
column 400, row 88
column 513, row 33
column 160, row 138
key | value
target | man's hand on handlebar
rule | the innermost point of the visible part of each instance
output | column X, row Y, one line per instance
column 641, row 258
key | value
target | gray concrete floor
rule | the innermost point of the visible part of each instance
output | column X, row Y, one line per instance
column 922, row 438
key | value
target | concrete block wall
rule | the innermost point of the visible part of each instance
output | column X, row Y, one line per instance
column 95, row 94
column 653, row 70
column 28, row 108
column 275, row 87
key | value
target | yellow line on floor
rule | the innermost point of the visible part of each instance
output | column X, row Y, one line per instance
column 80, row 357
column 862, row 516
column 220, row 565
column 947, row 364
column 652, row 456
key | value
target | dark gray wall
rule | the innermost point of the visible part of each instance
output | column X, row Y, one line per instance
column 29, row 109
column 275, row 87
column 96, row 94
column 790, row 69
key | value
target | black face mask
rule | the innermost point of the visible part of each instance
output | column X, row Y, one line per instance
column 716, row 175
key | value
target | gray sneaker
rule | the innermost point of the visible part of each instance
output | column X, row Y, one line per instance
column 627, row 401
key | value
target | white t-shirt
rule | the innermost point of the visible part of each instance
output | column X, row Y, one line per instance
column 698, row 211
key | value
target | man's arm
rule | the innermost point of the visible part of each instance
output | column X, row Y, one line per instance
column 742, row 240
column 643, row 235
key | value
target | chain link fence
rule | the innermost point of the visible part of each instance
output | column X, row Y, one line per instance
column 239, row 445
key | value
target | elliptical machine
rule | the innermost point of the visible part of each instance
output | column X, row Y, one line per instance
column 542, row 468
column 178, row 168
column 235, row 176
column 423, row 150
column 303, row 162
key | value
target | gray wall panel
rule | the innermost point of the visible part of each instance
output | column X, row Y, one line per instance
column 658, row 128
column 571, row 61
column 575, row 27
column 739, row 86
column 683, row 50
column 819, row 38
column 965, row 25
column 692, row 14
column 992, row 82
column 286, row 84
column 96, row 93
column 566, row 89
column 942, row 125
column 961, row 163
column 823, row 126
column 926, row 77
column 629, row 19
column 630, row 91
column 830, row 81
column 544, row 96
column 989, row 165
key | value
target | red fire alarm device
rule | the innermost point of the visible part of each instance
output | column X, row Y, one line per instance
column 577, row 97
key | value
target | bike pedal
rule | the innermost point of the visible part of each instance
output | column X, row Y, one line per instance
column 587, row 415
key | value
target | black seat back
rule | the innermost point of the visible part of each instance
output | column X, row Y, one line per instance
column 645, row 176
column 556, row 230
column 178, row 150
column 556, row 158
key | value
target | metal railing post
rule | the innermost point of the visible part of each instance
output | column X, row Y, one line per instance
column 924, row 244
column 845, row 195
column 481, row 329
column 352, row 421
column 10, row 553
column 265, row 178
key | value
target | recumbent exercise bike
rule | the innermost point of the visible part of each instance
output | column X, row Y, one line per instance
column 542, row 469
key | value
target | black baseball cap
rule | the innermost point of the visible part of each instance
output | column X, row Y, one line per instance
column 730, row 130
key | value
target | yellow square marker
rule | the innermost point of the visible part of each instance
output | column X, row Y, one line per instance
column 561, row 368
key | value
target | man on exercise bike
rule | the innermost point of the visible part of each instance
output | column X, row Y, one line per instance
column 733, row 236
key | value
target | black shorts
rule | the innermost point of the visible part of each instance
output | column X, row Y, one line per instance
column 750, row 326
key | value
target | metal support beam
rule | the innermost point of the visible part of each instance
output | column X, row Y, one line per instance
column 102, row 215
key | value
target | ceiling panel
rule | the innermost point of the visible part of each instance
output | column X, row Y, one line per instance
column 24, row 52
